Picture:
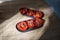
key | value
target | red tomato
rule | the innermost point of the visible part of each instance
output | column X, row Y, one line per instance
column 30, row 23
column 30, row 12
column 22, row 26
column 23, row 10
column 38, row 14
column 38, row 22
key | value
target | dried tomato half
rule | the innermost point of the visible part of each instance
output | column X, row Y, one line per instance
column 30, row 12
column 38, row 22
column 30, row 23
column 23, row 10
column 22, row 26
column 38, row 14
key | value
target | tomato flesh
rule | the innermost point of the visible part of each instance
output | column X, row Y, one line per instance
column 22, row 26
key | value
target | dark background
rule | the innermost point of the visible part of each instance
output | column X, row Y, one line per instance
column 56, row 6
